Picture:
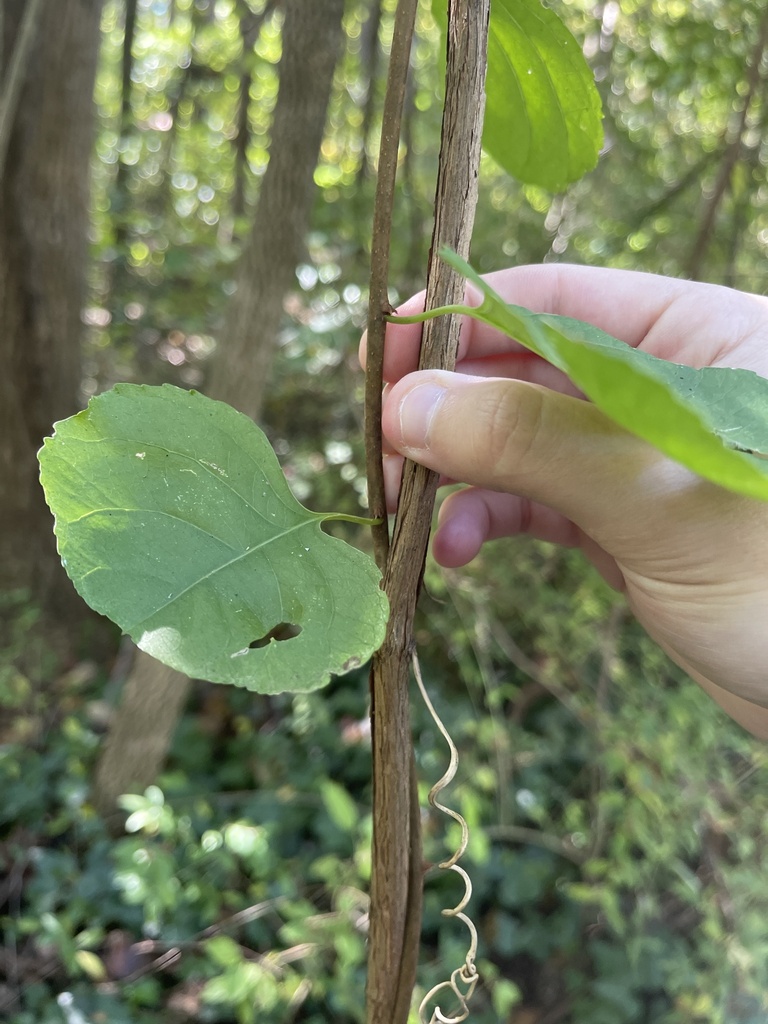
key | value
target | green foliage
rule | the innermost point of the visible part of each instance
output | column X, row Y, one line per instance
column 174, row 518
column 713, row 420
column 618, row 828
column 618, row 819
column 543, row 113
column 607, row 765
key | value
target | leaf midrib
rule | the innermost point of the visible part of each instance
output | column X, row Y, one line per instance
column 214, row 571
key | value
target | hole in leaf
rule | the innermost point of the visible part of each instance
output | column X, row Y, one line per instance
column 282, row 631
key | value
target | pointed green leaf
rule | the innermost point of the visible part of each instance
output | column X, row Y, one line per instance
column 543, row 115
column 713, row 420
column 174, row 519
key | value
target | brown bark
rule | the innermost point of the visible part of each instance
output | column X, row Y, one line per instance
column 378, row 295
column 153, row 693
column 395, row 909
column 43, row 231
column 13, row 79
column 120, row 195
column 396, row 863
column 138, row 743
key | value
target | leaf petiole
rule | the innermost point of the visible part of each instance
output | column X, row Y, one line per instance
column 712, row 420
column 430, row 314
column 345, row 517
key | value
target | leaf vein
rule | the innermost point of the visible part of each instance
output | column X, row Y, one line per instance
column 220, row 568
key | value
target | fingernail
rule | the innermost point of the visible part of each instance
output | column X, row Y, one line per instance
column 417, row 411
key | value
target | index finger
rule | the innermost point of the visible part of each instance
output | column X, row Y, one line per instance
column 673, row 319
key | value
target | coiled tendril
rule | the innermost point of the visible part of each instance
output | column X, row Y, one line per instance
column 463, row 980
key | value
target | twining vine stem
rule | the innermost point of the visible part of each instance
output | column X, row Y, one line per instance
column 378, row 296
column 397, row 870
column 395, row 886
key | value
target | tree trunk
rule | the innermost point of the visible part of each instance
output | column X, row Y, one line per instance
column 43, row 231
column 120, row 193
column 311, row 40
column 731, row 157
column 312, row 34
column 250, row 27
column 152, row 700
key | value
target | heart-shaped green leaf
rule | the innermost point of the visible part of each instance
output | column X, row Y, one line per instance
column 543, row 115
column 713, row 420
column 174, row 519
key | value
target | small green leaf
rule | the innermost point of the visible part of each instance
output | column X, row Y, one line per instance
column 713, row 420
column 504, row 995
column 224, row 951
column 173, row 518
column 543, row 115
column 91, row 965
column 246, row 840
column 342, row 809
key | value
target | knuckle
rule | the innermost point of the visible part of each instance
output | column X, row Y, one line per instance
column 514, row 417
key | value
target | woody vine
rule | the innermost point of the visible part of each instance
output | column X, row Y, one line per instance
column 397, row 863
column 396, row 878
column 533, row 64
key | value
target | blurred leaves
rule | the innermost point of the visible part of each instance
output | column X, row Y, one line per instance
column 586, row 759
column 254, row 846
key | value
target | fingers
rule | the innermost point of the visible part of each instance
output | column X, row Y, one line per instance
column 689, row 322
column 470, row 517
column 600, row 296
column 521, row 439
column 393, row 472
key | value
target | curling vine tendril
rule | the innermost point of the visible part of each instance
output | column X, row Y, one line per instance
column 463, row 980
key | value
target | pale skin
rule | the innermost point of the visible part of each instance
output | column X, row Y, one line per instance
column 690, row 557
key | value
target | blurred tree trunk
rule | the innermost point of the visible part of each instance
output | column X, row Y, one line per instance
column 732, row 154
column 120, row 195
column 370, row 54
column 47, row 107
column 138, row 742
column 311, row 40
column 250, row 27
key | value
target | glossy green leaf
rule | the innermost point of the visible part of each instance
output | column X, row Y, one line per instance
column 713, row 420
column 174, row 519
column 543, row 115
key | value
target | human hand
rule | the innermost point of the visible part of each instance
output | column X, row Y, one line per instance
column 691, row 557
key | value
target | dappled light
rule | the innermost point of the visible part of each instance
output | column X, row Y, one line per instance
column 618, row 820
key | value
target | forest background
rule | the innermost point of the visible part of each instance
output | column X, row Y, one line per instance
column 205, row 220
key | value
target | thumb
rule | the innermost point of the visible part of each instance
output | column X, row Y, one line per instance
column 513, row 436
